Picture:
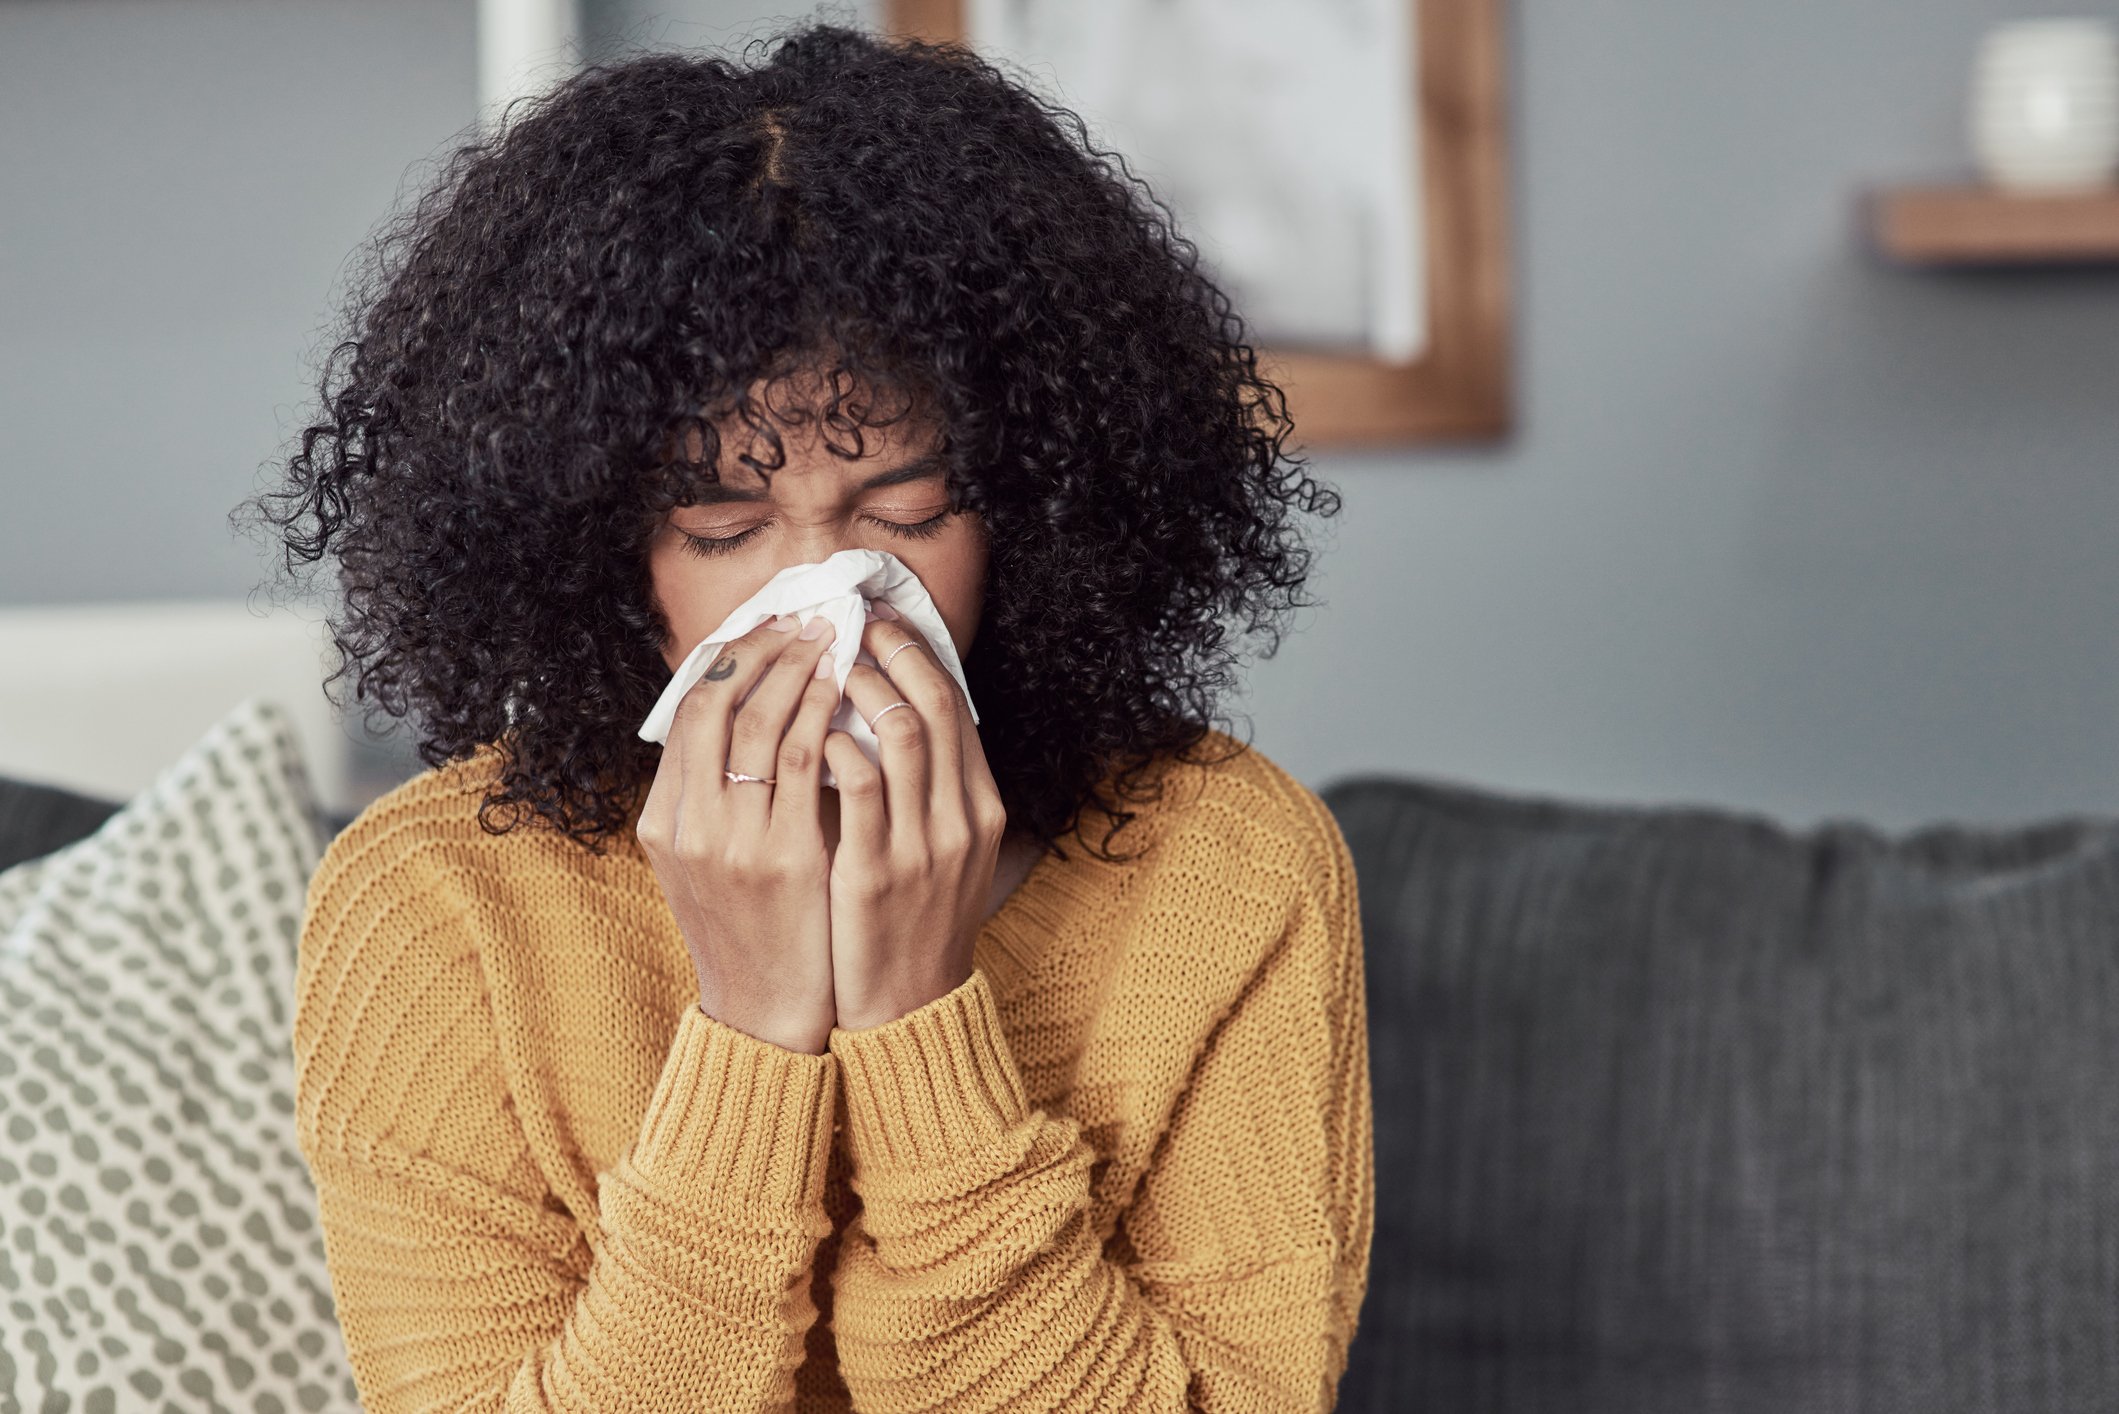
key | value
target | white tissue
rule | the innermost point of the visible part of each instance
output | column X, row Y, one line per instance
column 840, row 589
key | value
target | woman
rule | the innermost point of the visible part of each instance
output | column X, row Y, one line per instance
column 1026, row 1068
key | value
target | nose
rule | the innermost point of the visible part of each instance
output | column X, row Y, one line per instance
column 815, row 538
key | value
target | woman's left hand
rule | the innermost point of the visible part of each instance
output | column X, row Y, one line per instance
column 919, row 836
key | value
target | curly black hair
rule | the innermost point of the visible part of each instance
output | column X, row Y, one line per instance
column 673, row 235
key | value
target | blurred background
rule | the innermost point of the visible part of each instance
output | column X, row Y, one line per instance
column 1780, row 525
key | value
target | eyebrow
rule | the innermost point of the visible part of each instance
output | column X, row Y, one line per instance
column 718, row 493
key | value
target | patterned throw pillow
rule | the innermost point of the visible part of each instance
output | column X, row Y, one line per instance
column 158, row 1242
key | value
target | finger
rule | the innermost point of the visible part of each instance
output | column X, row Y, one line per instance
column 761, row 724
column 703, row 720
column 677, row 813
column 922, row 681
column 658, row 813
column 800, row 766
column 982, row 792
column 902, row 739
column 864, row 828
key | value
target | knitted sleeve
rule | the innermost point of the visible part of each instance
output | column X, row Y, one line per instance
column 460, row 1281
column 971, row 1280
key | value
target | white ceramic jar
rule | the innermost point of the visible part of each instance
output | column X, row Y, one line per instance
column 2045, row 104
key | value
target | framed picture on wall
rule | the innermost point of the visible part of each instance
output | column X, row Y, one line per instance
column 1340, row 164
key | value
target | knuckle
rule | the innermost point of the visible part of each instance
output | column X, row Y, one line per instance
column 795, row 756
column 745, row 862
column 765, row 635
column 937, row 699
column 726, row 664
column 698, row 700
column 780, row 869
column 919, row 859
column 653, row 832
column 900, row 727
column 988, row 812
column 866, row 887
column 692, row 847
column 749, row 730
column 847, row 760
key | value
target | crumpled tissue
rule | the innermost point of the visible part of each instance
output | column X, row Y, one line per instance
column 841, row 589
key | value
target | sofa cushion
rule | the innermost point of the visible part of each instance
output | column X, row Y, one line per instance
column 158, row 1245
column 1678, row 1109
column 37, row 819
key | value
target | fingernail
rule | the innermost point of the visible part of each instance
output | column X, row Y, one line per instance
column 884, row 611
column 824, row 666
column 815, row 627
column 784, row 624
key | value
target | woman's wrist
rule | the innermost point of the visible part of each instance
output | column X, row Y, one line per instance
column 789, row 1039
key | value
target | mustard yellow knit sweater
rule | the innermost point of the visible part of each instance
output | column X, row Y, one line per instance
column 1126, row 1166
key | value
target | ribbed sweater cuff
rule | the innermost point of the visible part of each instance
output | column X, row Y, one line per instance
column 734, row 1117
column 937, row 1082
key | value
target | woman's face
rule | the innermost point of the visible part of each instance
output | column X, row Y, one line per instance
column 815, row 505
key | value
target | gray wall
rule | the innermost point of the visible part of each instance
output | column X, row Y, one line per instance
column 179, row 184
column 1781, row 527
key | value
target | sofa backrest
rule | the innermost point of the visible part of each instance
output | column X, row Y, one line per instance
column 1680, row 1110
column 36, row 819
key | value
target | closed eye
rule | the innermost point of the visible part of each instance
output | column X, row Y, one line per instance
column 919, row 530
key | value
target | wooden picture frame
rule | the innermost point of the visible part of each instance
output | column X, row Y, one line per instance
column 1460, row 388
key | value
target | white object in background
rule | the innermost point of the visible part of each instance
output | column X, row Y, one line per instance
column 2045, row 104
column 1284, row 134
column 523, row 47
column 101, row 698
column 839, row 589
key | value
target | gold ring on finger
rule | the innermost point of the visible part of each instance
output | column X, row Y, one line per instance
column 891, row 708
column 737, row 777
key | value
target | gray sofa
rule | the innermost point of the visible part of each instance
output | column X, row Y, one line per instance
column 1679, row 1110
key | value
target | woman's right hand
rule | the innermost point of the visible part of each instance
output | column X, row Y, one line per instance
column 743, row 864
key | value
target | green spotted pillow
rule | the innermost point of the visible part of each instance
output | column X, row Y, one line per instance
column 158, row 1241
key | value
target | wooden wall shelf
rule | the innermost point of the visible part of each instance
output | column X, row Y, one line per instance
column 1980, row 225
